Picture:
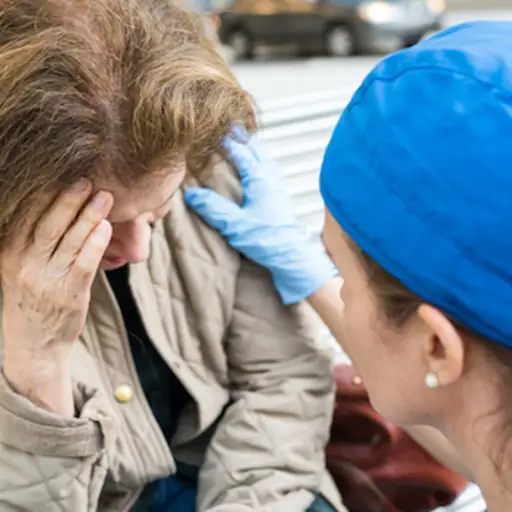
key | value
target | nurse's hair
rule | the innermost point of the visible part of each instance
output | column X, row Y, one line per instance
column 114, row 89
column 398, row 305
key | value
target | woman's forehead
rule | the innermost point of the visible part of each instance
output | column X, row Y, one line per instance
column 147, row 195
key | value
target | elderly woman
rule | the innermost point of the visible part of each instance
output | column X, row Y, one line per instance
column 171, row 379
column 417, row 186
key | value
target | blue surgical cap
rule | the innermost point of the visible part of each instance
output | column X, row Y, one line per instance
column 418, row 172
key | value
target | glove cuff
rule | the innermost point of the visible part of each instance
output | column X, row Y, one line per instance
column 308, row 274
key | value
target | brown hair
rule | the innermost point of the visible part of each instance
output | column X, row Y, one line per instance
column 106, row 88
column 399, row 304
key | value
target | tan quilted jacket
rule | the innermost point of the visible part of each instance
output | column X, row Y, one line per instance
column 220, row 327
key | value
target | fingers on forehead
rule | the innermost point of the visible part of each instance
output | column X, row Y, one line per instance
column 25, row 234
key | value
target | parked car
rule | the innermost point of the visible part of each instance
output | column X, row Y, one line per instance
column 334, row 27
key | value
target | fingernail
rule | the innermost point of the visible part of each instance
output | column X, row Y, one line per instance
column 99, row 201
column 103, row 230
column 80, row 186
column 104, row 225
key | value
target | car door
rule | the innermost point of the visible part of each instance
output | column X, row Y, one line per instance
column 302, row 20
column 342, row 10
column 261, row 18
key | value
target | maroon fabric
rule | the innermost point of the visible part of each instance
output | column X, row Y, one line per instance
column 375, row 464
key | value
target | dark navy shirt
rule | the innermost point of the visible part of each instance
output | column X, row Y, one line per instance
column 167, row 397
column 164, row 392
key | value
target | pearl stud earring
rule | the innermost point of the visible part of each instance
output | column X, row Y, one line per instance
column 432, row 380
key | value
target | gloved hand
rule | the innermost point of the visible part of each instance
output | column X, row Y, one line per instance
column 264, row 228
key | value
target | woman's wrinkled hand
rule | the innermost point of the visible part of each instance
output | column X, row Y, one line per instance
column 46, row 278
column 264, row 228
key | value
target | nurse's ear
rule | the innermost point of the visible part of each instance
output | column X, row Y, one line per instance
column 443, row 348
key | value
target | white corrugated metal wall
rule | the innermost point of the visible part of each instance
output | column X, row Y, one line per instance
column 295, row 132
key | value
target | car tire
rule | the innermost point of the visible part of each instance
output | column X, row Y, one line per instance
column 241, row 43
column 339, row 41
column 412, row 41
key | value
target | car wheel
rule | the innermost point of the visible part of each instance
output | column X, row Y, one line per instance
column 340, row 41
column 241, row 43
column 411, row 41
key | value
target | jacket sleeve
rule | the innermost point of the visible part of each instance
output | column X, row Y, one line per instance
column 49, row 463
column 268, row 451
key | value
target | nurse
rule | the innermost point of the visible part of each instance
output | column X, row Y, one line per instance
column 417, row 184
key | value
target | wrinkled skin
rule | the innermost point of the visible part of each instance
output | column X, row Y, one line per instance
column 48, row 271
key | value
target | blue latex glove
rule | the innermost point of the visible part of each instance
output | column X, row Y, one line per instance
column 264, row 228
